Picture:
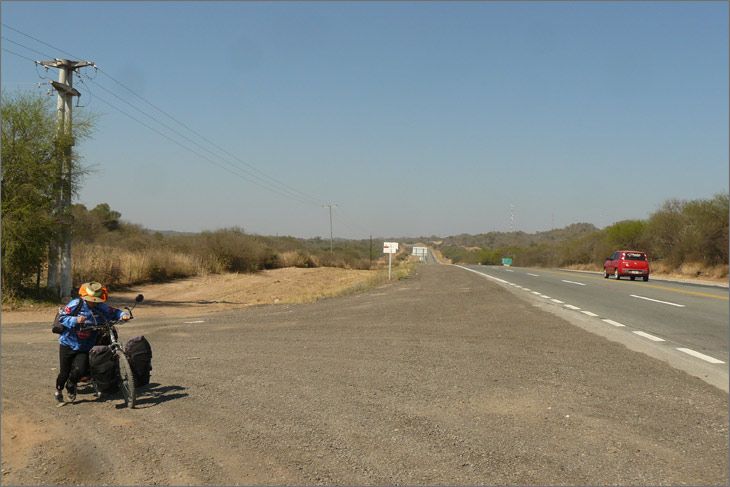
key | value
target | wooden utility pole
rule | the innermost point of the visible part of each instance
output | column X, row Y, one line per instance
column 60, row 278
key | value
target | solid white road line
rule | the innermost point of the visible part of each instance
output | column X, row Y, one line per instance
column 657, row 301
column 536, row 292
column 535, row 275
column 191, row 322
column 589, row 313
column 702, row 356
column 525, row 289
column 650, row 337
column 557, row 301
column 482, row 274
column 573, row 282
column 614, row 323
column 546, row 297
column 570, row 306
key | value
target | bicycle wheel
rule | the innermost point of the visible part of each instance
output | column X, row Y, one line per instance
column 126, row 381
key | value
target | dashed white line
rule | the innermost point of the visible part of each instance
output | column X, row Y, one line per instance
column 525, row 289
column 614, row 323
column 657, row 301
column 557, row 301
column 191, row 322
column 546, row 297
column 534, row 275
column 570, row 306
column 702, row 356
column 589, row 313
column 536, row 292
column 508, row 270
column 573, row 282
column 650, row 337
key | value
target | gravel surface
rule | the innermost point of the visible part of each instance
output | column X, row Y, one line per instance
column 443, row 378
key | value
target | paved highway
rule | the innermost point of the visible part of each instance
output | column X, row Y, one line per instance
column 689, row 320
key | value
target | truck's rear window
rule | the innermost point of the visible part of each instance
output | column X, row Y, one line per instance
column 635, row 256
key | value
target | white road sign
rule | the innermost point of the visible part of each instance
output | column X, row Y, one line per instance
column 390, row 247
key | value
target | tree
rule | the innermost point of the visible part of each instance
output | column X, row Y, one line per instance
column 29, row 170
column 32, row 151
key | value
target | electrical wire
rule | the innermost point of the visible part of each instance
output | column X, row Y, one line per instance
column 299, row 194
column 316, row 201
column 19, row 55
column 261, row 181
column 215, row 163
column 37, row 40
column 24, row 47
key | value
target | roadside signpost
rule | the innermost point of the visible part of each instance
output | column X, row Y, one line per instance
column 390, row 248
column 507, row 261
column 420, row 252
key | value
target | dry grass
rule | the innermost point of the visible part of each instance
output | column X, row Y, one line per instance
column 119, row 267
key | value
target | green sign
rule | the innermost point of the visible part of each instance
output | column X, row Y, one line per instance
column 507, row 261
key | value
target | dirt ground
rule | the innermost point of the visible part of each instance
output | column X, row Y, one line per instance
column 225, row 292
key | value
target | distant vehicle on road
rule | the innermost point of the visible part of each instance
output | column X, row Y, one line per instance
column 629, row 263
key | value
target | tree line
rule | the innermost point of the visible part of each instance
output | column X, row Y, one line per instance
column 680, row 232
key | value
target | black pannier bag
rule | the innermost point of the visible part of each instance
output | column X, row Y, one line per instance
column 104, row 368
column 139, row 354
column 56, row 326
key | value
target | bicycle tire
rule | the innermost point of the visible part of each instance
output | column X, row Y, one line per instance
column 126, row 381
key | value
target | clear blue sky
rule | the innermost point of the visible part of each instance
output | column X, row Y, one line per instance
column 414, row 118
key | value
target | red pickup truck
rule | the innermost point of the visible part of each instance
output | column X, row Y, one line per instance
column 627, row 263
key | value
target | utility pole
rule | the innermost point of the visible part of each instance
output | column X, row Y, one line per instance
column 371, row 252
column 511, row 218
column 330, row 207
column 60, row 278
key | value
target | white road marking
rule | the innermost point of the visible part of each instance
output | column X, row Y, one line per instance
column 525, row 289
column 546, row 297
column 573, row 282
column 650, row 337
column 702, row 356
column 557, row 301
column 589, row 313
column 570, row 306
column 482, row 274
column 657, row 301
column 191, row 322
column 508, row 270
column 535, row 275
column 614, row 323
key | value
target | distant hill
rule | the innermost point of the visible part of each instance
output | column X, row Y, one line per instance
column 513, row 239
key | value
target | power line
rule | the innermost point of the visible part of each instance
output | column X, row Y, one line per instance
column 274, row 181
column 19, row 55
column 271, row 184
column 316, row 201
column 38, row 40
column 24, row 47
column 275, row 190
column 262, row 181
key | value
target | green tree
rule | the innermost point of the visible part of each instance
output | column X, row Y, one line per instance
column 32, row 151
column 29, row 168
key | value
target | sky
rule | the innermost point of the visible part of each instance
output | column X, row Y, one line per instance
column 413, row 118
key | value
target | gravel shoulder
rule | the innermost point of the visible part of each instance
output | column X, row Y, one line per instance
column 442, row 378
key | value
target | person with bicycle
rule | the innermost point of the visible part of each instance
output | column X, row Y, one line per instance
column 76, row 340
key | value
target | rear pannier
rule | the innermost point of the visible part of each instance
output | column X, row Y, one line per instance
column 104, row 368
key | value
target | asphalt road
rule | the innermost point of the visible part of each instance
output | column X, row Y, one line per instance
column 445, row 378
column 688, row 320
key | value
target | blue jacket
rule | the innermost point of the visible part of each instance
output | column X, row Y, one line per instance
column 74, row 335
